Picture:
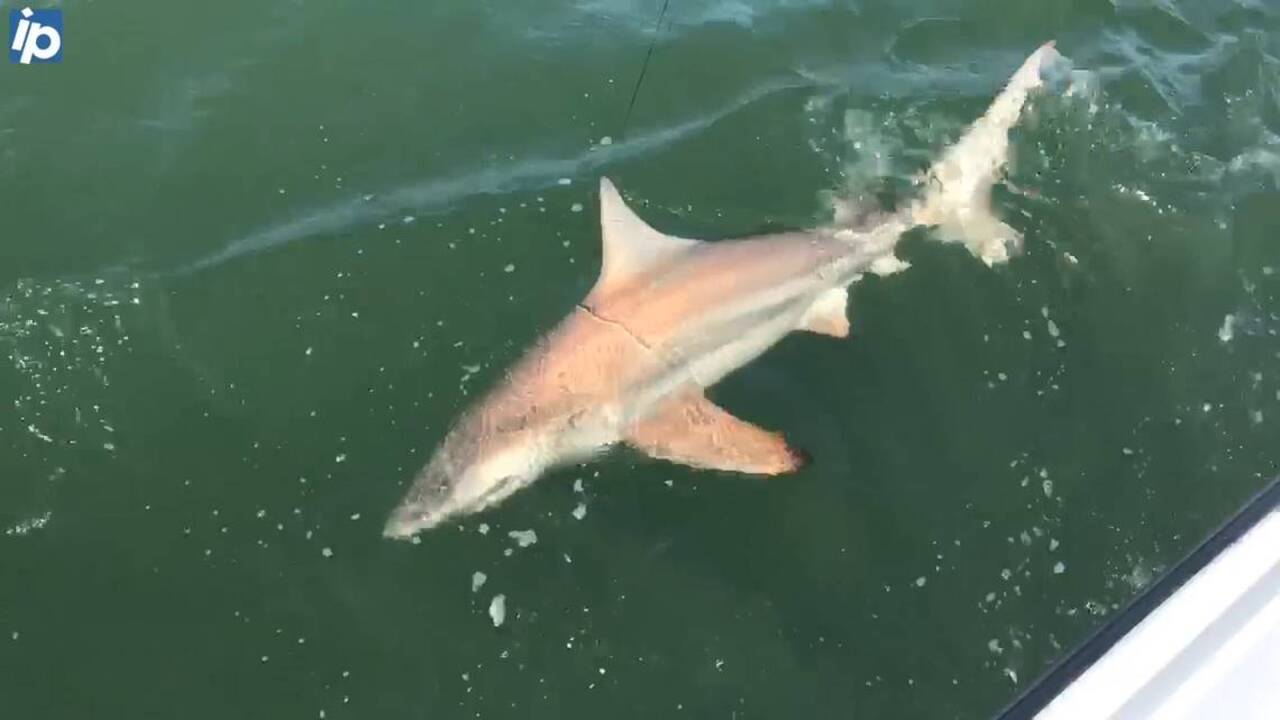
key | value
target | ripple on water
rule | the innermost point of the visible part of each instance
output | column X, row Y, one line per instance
column 58, row 342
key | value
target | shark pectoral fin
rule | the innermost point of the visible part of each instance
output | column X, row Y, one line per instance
column 691, row 430
column 827, row 314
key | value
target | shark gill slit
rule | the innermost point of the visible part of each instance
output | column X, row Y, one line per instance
column 616, row 324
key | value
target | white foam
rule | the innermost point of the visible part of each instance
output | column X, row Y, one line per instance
column 523, row 538
column 498, row 609
column 26, row 526
column 1228, row 329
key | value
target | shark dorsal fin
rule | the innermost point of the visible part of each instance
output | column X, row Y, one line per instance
column 630, row 246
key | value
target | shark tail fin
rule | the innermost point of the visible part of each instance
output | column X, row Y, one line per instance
column 957, row 198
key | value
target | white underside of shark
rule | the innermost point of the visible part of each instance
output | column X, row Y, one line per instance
column 670, row 317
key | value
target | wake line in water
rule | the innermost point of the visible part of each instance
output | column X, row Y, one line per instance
column 440, row 194
column 564, row 24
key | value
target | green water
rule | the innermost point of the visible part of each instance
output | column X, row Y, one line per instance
column 255, row 256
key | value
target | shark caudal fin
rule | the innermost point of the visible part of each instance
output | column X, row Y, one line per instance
column 957, row 197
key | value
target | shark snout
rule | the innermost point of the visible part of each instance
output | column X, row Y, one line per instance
column 407, row 521
column 428, row 502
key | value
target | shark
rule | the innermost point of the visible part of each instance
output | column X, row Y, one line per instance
column 668, row 317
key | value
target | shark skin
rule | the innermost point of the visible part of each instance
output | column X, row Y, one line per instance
column 669, row 317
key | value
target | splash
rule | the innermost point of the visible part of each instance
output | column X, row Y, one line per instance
column 955, row 191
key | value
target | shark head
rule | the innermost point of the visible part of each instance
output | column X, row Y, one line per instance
column 477, row 465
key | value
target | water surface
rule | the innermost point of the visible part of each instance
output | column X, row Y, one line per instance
column 258, row 255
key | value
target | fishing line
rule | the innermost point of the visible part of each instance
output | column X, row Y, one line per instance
column 644, row 67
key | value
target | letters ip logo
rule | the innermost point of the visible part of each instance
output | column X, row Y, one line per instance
column 35, row 36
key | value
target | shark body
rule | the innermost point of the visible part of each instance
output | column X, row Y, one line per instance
column 669, row 317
